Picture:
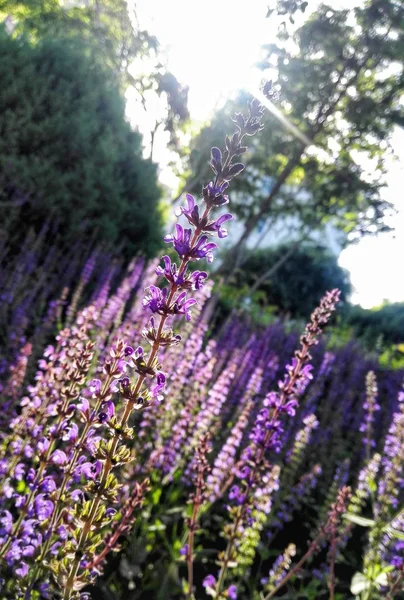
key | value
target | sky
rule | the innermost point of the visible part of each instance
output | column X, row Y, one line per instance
column 212, row 46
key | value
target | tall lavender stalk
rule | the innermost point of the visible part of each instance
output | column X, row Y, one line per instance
column 197, row 498
column 267, row 434
column 327, row 531
column 191, row 245
column 370, row 407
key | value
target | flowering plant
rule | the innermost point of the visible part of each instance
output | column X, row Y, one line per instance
column 108, row 450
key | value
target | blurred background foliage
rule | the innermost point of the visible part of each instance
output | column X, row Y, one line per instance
column 297, row 282
column 67, row 152
column 287, row 282
column 338, row 79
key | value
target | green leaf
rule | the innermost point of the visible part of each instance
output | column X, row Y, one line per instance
column 158, row 526
column 185, row 586
column 358, row 520
column 372, row 485
column 359, row 584
column 395, row 533
column 21, row 487
column 155, row 496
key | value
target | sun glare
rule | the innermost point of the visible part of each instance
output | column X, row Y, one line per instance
column 213, row 49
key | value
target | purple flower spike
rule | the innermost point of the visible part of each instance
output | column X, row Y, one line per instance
column 168, row 267
column 43, row 507
column 214, row 195
column 156, row 300
column 193, row 281
column 192, row 212
column 216, row 226
column 197, row 278
column 71, row 433
column 161, row 379
column 161, row 382
column 221, row 231
column 182, row 305
column 203, row 249
column 108, row 408
column 209, row 582
column 22, row 570
column 6, row 522
column 89, row 470
column 48, row 485
column 181, row 240
column 59, row 457
column 95, row 386
column 170, row 272
column 84, row 406
column 236, row 495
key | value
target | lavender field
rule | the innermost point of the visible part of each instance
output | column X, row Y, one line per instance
column 147, row 454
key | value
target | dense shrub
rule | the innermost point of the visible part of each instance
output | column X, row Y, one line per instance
column 300, row 276
column 66, row 150
column 384, row 325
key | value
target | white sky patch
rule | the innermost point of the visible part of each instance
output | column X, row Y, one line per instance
column 376, row 263
column 212, row 46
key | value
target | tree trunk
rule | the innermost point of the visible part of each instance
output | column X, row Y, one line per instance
column 276, row 266
column 235, row 255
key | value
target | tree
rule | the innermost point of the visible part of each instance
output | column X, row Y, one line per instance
column 65, row 146
column 338, row 78
column 108, row 24
column 111, row 27
column 296, row 285
column 384, row 324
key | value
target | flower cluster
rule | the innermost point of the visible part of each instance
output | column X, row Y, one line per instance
column 370, row 406
column 74, row 432
column 279, row 569
column 174, row 434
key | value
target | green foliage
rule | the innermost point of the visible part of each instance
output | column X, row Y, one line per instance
column 111, row 29
column 66, row 147
column 107, row 24
column 296, row 286
column 253, row 305
column 379, row 325
column 363, row 586
column 338, row 78
column 392, row 357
